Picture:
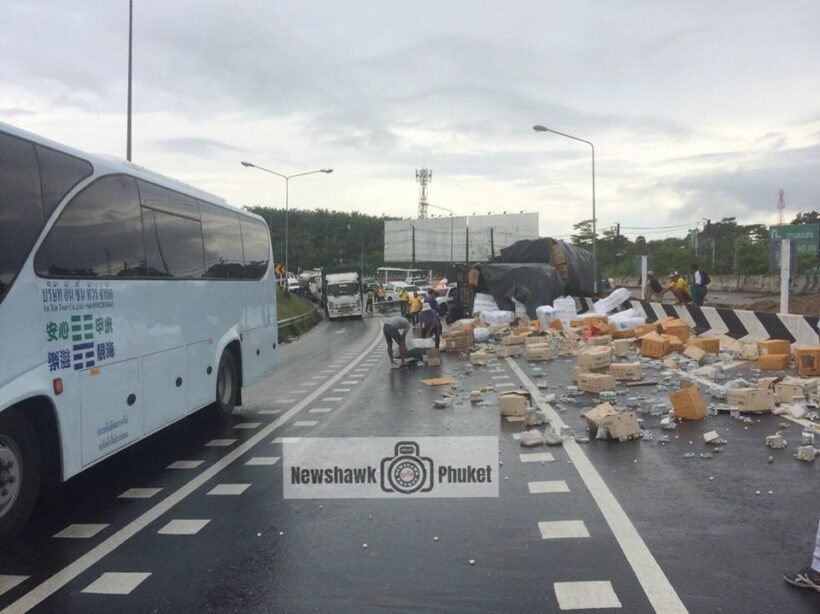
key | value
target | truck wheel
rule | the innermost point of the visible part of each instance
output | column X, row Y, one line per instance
column 227, row 384
column 20, row 468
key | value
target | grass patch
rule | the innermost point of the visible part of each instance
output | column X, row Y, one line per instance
column 291, row 305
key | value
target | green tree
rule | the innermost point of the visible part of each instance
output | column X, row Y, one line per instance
column 752, row 256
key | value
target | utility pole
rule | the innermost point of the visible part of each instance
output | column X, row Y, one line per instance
column 130, row 38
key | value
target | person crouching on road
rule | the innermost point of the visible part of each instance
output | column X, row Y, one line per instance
column 653, row 287
column 679, row 288
column 404, row 301
column 415, row 307
column 396, row 329
column 430, row 323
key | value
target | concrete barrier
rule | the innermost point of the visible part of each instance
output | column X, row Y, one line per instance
column 766, row 284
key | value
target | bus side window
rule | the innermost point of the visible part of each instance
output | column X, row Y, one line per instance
column 223, row 242
column 256, row 242
column 59, row 173
column 99, row 234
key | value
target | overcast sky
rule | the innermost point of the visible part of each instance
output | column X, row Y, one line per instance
column 697, row 109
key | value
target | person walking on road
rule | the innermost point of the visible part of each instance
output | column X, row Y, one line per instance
column 370, row 296
column 430, row 323
column 653, row 287
column 395, row 329
column 808, row 576
column 430, row 299
column 380, row 293
column 700, row 280
column 404, row 301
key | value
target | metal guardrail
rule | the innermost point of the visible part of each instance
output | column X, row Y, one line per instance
column 295, row 319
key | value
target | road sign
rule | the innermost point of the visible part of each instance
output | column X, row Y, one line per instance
column 806, row 236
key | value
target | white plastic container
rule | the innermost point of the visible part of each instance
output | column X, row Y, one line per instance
column 608, row 303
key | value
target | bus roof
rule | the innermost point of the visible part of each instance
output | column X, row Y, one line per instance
column 105, row 164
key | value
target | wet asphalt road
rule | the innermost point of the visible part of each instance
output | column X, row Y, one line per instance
column 721, row 546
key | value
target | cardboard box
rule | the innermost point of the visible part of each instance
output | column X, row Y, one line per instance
column 535, row 325
column 556, row 325
column 513, row 403
column 433, row 357
column 626, row 371
column 620, row 347
column 688, row 403
column 790, row 387
column 676, row 327
column 654, row 346
column 695, row 353
column 588, row 321
column 509, row 350
column 595, row 357
column 600, row 340
column 807, row 359
column 628, row 333
column 774, row 346
column 603, row 420
column 773, row 361
column 479, row 358
column 710, row 345
column 521, row 330
column 768, row 382
column 748, row 351
column 537, row 340
column 645, row 329
column 670, row 363
column 457, row 341
column 538, row 353
column 596, row 382
column 675, row 343
column 597, row 415
column 566, row 347
column 753, row 400
column 512, row 340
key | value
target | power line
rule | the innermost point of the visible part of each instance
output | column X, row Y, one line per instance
column 659, row 227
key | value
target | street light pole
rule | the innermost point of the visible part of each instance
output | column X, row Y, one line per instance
column 287, row 179
column 130, row 37
column 539, row 128
column 451, row 227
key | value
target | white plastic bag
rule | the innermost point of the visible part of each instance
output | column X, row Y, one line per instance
column 608, row 303
column 481, row 334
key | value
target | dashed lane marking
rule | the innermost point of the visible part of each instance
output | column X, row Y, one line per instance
column 139, row 493
column 262, row 460
column 516, row 418
column 182, row 526
column 331, row 399
column 562, row 529
column 248, row 425
column 9, row 582
column 54, row 583
column 230, row 490
column 586, row 595
column 80, row 531
column 351, row 382
column 185, row 464
column 220, row 443
column 111, row 583
column 653, row 580
column 286, row 440
column 320, row 410
column 306, row 423
column 536, row 457
column 548, row 487
column 337, row 390
column 269, row 412
column 500, row 377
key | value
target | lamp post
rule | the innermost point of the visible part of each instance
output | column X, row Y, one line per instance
column 539, row 128
column 287, row 179
column 130, row 38
column 451, row 227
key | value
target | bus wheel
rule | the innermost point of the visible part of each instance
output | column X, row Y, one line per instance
column 227, row 384
column 19, row 473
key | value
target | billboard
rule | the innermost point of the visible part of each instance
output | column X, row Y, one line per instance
column 447, row 239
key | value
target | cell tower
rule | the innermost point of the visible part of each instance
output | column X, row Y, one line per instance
column 423, row 177
column 781, row 207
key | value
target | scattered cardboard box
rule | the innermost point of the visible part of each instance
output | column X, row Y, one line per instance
column 438, row 381
column 504, row 351
column 595, row 357
column 676, row 327
column 512, row 340
column 654, row 346
column 695, row 353
column 514, row 403
column 790, row 387
column 748, row 351
column 479, row 358
column 807, row 359
column 675, row 342
column 458, row 340
column 768, row 382
column 433, row 357
column 632, row 371
column 620, row 347
column 597, row 415
column 710, row 345
column 752, row 400
column 773, row 361
column 645, row 329
column 538, row 353
column 688, row 403
column 599, row 340
column 628, row 333
column 774, row 346
column 604, row 421
column 596, row 382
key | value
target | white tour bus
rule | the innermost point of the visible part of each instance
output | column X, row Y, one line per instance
column 127, row 301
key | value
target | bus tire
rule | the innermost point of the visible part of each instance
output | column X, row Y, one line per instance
column 20, row 472
column 227, row 385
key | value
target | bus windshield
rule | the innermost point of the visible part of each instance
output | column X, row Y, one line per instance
column 345, row 289
column 33, row 180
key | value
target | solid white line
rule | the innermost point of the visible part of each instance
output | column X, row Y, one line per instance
column 656, row 585
column 45, row 589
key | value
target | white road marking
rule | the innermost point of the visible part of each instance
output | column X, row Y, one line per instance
column 516, row 418
column 320, row 410
column 500, row 377
column 331, row 399
column 80, row 531
column 284, row 401
column 550, row 486
column 562, row 529
column 506, row 385
column 9, row 582
column 286, row 440
column 516, row 436
column 185, row 464
column 536, row 457
column 139, row 493
column 341, row 330
column 337, row 390
column 351, row 382
column 586, row 595
column 306, row 423
column 653, row 580
column 220, row 443
column 297, row 391
column 230, row 490
column 183, row 527
column 111, row 583
column 262, row 460
column 269, row 412
column 54, row 583
column 248, row 425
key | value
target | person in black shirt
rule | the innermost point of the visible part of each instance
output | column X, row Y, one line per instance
column 653, row 286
